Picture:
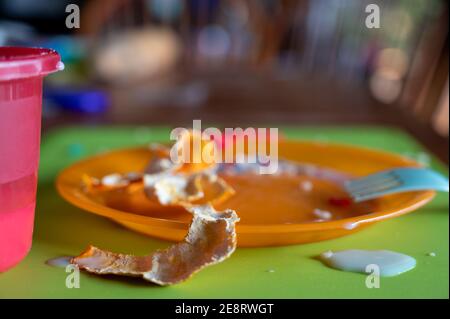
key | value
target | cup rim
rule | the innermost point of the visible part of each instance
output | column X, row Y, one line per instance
column 18, row 62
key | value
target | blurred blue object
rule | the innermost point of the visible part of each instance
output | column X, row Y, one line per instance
column 70, row 48
column 14, row 33
column 75, row 150
column 167, row 10
column 79, row 99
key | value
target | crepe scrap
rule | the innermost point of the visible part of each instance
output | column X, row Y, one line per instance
column 166, row 182
column 196, row 187
column 183, row 184
column 215, row 189
column 181, row 189
column 111, row 181
column 210, row 240
column 160, row 161
column 194, row 162
column 172, row 189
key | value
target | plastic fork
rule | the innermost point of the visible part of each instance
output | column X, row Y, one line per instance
column 395, row 181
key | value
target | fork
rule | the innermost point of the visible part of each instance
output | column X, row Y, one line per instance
column 395, row 181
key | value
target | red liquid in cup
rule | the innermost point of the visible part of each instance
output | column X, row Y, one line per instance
column 21, row 74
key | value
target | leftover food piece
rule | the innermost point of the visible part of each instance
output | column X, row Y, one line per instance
column 210, row 240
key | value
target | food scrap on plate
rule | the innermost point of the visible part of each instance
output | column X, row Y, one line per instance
column 211, row 237
column 210, row 240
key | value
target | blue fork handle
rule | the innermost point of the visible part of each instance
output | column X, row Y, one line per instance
column 434, row 180
column 397, row 180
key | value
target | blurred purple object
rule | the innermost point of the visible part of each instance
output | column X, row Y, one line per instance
column 78, row 99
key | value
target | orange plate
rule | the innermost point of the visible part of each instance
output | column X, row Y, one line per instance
column 273, row 211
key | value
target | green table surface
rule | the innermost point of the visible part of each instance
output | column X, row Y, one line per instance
column 62, row 229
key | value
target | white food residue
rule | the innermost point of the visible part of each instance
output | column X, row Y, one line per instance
column 390, row 263
column 307, row 186
column 322, row 214
column 112, row 180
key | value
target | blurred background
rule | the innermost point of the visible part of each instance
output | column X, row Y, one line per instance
column 242, row 62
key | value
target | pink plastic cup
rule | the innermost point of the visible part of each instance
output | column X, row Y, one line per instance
column 21, row 76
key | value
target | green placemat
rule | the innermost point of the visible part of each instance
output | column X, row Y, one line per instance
column 62, row 229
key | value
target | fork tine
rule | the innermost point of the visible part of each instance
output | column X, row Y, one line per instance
column 395, row 181
column 357, row 187
column 391, row 190
column 364, row 184
column 361, row 198
column 373, row 178
column 370, row 184
column 380, row 188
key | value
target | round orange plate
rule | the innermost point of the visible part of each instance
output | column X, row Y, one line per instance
column 273, row 211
